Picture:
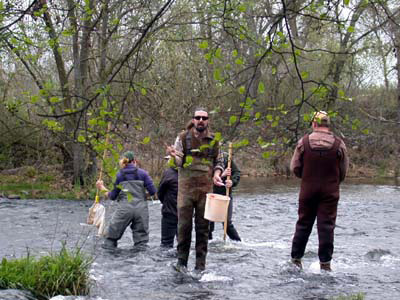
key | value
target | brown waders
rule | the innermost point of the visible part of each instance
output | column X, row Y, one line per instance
column 319, row 196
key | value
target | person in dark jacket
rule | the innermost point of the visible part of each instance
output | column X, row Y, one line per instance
column 168, row 193
column 320, row 160
column 130, row 191
column 234, row 172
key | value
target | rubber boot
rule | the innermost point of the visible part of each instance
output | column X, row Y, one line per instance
column 210, row 230
column 325, row 267
column 181, row 266
column 110, row 244
column 297, row 263
column 232, row 233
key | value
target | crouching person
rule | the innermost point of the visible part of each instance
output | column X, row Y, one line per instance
column 130, row 192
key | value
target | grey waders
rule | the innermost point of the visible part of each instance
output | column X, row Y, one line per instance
column 131, row 210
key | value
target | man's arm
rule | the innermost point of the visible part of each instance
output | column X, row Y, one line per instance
column 235, row 177
column 148, row 183
column 344, row 161
column 296, row 164
column 162, row 188
column 176, row 152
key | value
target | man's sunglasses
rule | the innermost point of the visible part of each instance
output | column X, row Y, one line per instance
column 198, row 118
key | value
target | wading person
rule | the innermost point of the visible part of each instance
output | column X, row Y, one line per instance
column 234, row 172
column 167, row 193
column 195, row 154
column 320, row 160
column 130, row 191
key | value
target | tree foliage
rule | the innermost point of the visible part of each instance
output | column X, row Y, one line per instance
column 260, row 67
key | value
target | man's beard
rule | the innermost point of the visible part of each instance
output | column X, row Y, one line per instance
column 201, row 129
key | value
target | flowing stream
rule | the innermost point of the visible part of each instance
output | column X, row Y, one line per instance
column 366, row 258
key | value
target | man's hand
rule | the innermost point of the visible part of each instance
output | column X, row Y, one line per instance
column 217, row 178
column 227, row 172
column 171, row 151
column 100, row 185
column 228, row 183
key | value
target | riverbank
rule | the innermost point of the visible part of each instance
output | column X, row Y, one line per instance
column 47, row 182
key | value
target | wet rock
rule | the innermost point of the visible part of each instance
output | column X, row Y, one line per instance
column 16, row 295
column 376, row 254
column 59, row 297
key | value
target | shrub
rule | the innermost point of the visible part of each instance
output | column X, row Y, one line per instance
column 63, row 273
column 359, row 296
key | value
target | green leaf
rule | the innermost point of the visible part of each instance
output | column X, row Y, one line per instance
column 35, row 99
column 203, row 45
column 81, row 139
column 346, row 2
column 297, row 101
column 304, row 75
column 209, row 57
column 217, row 75
column 242, row 8
column 235, row 53
column 218, row 53
column 54, row 99
column 143, row 91
column 146, row 140
column 92, row 122
column 171, row 163
column 232, row 120
column 188, row 161
column 203, row 147
column 239, row 61
column 270, row 118
column 242, row 90
column 365, row 131
column 129, row 196
column 350, row 29
column 266, row 154
column 217, row 136
column 67, row 32
column 261, row 88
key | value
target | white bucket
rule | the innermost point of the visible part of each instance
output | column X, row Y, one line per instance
column 216, row 207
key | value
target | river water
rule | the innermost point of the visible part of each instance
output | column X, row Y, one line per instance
column 366, row 258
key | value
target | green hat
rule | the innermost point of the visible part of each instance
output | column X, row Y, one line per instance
column 129, row 155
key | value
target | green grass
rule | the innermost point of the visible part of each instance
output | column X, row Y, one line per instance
column 359, row 296
column 64, row 273
column 24, row 186
column 43, row 186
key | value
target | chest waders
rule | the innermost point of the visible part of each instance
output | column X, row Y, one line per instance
column 195, row 181
column 132, row 210
column 318, row 199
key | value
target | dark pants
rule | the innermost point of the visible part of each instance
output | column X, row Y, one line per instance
column 324, row 209
column 169, row 229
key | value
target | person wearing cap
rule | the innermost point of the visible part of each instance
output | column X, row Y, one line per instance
column 130, row 193
column 234, row 172
column 167, row 194
column 321, row 161
column 195, row 153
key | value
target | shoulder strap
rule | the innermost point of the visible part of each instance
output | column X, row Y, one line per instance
column 186, row 138
column 336, row 146
column 306, row 142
